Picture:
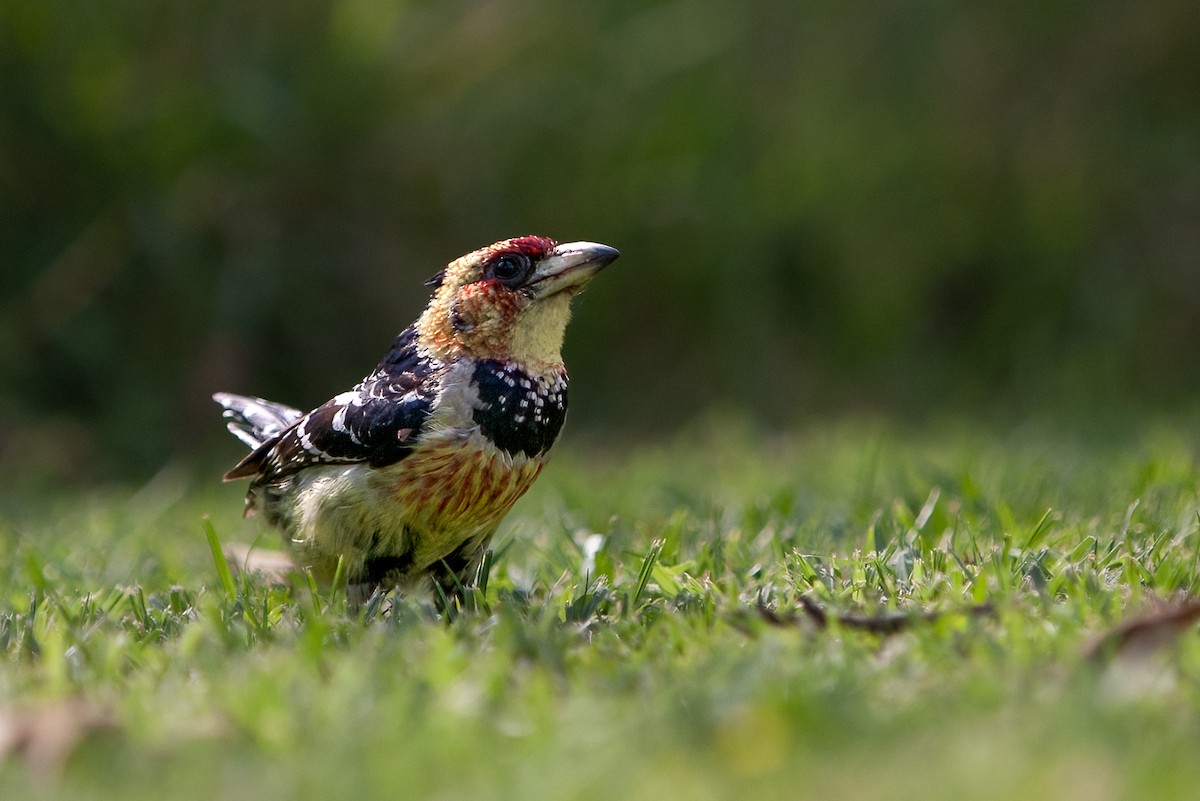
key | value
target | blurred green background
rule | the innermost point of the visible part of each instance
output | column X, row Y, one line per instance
column 881, row 208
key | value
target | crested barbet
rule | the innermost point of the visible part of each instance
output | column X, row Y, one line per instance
column 406, row 476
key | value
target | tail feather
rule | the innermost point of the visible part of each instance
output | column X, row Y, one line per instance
column 254, row 420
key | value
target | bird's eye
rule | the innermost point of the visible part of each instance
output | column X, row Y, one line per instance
column 511, row 268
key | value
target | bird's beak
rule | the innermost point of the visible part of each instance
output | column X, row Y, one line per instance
column 569, row 267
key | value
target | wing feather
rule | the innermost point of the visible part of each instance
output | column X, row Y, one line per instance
column 376, row 423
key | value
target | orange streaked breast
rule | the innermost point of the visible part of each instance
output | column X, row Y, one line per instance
column 451, row 487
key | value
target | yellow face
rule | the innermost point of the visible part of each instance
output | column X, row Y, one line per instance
column 510, row 301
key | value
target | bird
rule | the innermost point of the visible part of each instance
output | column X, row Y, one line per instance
column 405, row 478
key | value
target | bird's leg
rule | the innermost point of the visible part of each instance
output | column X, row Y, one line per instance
column 454, row 574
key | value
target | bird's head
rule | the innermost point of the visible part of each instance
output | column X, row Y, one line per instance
column 510, row 300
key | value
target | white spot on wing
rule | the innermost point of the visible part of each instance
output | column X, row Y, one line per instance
column 339, row 425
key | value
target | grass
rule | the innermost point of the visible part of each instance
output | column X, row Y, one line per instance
column 617, row 650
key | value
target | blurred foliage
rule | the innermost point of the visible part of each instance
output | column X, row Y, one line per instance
column 819, row 205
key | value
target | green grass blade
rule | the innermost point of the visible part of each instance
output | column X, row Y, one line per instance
column 219, row 560
column 647, row 569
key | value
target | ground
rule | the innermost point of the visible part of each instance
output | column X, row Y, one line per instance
column 641, row 633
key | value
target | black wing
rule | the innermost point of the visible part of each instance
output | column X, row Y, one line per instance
column 376, row 423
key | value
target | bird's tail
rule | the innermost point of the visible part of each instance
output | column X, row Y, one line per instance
column 254, row 420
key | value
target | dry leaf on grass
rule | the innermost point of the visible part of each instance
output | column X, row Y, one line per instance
column 275, row 566
column 45, row 736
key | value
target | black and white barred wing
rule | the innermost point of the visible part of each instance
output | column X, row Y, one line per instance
column 376, row 428
column 376, row 423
